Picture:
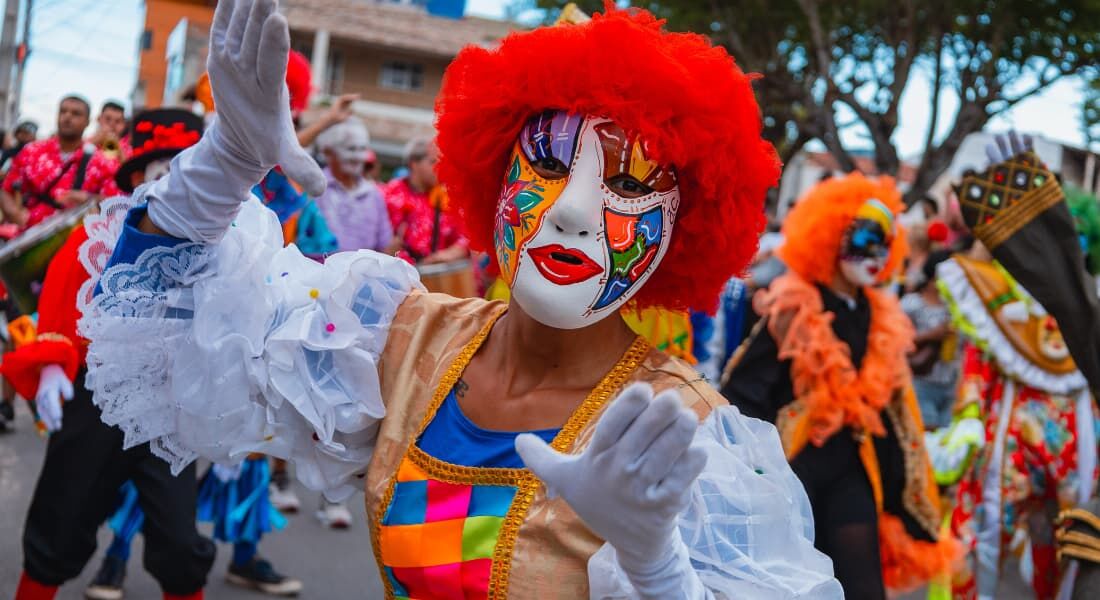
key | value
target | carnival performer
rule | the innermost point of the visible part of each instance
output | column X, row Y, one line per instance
column 352, row 205
column 85, row 461
column 1019, row 380
column 828, row 367
column 360, row 378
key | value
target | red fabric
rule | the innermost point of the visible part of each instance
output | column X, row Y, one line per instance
column 195, row 596
column 30, row 589
column 40, row 163
column 684, row 97
column 57, row 314
column 415, row 211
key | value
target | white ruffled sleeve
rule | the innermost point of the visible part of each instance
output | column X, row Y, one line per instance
column 748, row 528
column 244, row 346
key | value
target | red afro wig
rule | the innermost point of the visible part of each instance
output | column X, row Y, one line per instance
column 686, row 98
column 299, row 80
column 814, row 229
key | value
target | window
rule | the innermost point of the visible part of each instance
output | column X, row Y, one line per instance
column 397, row 75
column 334, row 84
column 146, row 39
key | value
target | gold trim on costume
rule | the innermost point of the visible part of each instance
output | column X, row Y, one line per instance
column 1079, row 514
column 1079, row 553
column 525, row 482
column 1012, row 219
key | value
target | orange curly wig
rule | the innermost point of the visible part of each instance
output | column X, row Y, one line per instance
column 814, row 229
column 686, row 98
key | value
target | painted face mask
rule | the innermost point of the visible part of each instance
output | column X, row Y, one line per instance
column 583, row 219
column 157, row 169
column 866, row 245
column 352, row 153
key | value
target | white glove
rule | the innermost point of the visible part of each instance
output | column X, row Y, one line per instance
column 252, row 132
column 53, row 385
column 226, row 473
column 1005, row 146
column 630, row 485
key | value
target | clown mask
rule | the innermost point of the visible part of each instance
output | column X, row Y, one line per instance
column 352, row 150
column 583, row 219
column 866, row 245
column 154, row 171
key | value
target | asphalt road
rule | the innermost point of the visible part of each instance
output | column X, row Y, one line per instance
column 333, row 565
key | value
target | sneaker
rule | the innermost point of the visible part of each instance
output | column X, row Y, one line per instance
column 334, row 515
column 284, row 499
column 258, row 574
column 107, row 584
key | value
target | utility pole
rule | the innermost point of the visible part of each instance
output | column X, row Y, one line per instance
column 7, row 60
column 21, row 66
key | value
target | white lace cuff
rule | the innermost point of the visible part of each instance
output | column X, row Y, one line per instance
column 244, row 346
column 748, row 528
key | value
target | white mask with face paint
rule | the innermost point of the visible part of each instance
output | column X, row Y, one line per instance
column 157, row 169
column 866, row 245
column 583, row 220
column 349, row 143
column 862, row 272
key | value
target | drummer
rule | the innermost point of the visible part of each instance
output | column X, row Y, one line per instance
column 430, row 233
column 59, row 172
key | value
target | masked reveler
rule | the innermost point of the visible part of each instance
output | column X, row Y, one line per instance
column 827, row 364
column 1024, row 435
column 494, row 459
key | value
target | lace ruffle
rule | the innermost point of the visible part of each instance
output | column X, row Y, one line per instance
column 972, row 318
column 748, row 527
column 244, row 346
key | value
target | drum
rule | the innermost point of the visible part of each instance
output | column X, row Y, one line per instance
column 23, row 260
column 455, row 278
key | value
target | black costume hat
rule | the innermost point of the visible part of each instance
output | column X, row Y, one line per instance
column 158, row 134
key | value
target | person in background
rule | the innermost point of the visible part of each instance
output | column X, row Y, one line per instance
column 430, row 233
column 110, row 135
column 25, row 133
column 352, row 205
column 932, row 361
column 59, row 172
column 919, row 248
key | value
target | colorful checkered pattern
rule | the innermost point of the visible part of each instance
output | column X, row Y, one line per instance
column 437, row 538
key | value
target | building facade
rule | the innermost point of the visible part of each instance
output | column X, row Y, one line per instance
column 157, row 69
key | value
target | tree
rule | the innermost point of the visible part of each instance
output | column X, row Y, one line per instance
column 1090, row 114
column 823, row 61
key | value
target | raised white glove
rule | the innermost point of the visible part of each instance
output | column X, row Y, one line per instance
column 226, row 473
column 630, row 485
column 1005, row 146
column 53, row 385
column 252, row 132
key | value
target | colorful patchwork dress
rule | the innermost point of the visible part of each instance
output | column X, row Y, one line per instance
column 349, row 370
column 1040, row 422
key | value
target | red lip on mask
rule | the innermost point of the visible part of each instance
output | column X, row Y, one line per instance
column 564, row 266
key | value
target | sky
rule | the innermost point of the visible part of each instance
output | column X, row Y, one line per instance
column 91, row 47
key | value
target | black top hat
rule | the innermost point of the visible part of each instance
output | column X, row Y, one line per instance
column 158, row 134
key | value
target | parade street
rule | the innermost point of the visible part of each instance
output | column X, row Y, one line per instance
column 331, row 564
